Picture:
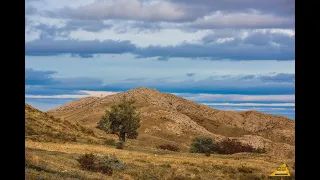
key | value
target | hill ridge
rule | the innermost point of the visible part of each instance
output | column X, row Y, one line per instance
column 179, row 117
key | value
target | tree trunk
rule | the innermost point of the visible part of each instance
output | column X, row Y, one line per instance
column 122, row 137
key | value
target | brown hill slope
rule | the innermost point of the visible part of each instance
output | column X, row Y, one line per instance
column 169, row 118
column 40, row 126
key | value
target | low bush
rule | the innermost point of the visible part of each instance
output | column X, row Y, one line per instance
column 207, row 146
column 119, row 145
column 260, row 150
column 87, row 162
column 204, row 145
column 231, row 146
column 168, row 147
column 105, row 164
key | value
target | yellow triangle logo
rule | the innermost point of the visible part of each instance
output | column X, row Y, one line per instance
column 281, row 171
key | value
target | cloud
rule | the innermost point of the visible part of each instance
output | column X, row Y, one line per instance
column 162, row 58
column 30, row 10
column 221, row 44
column 44, row 83
column 54, row 47
column 230, row 44
column 260, row 38
column 271, row 77
column 72, row 96
column 170, row 11
column 254, row 37
column 254, row 20
column 54, row 31
column 123, row 9
column 87, row 25
column 280, row 77
column 190, row 74
column 222, row 34
column 270, row 6
column 233, row 50
column 154, row 15
column 34, row 77
column 255, row 46
column 83, row 55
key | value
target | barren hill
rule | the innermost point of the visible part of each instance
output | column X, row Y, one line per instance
column 169, row 118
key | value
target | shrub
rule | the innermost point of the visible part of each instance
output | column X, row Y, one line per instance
column 106, row 164
column 87, row 162
column 110, row 142
column 203, row 145
column 168, row 147
column 260, row 150
column 119, row 145
column 231, row 146
column 112, row 162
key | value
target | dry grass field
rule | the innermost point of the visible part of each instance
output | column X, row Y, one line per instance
column 48, row 160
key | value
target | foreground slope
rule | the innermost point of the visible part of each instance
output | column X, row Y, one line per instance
column 169, row 118
column 58, row 161
column 40, row 126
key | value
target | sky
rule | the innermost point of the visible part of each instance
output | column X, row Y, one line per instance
column 232, row 55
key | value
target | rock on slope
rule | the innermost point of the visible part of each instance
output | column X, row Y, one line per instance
column 166, row 117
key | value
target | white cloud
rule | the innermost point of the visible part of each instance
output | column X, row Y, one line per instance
column 164, row 37
column 126, row 9
column 98, row 93
column 73, row 96
column 242, row 20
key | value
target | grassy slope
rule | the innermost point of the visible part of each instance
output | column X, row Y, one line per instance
column 58, row 161
column 40, row 126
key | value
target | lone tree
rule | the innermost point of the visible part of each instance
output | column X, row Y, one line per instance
column 122, row 119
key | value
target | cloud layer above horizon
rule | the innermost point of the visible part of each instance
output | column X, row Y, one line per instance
column 226, row 51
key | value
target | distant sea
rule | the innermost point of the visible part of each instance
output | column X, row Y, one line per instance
column 276, row 108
